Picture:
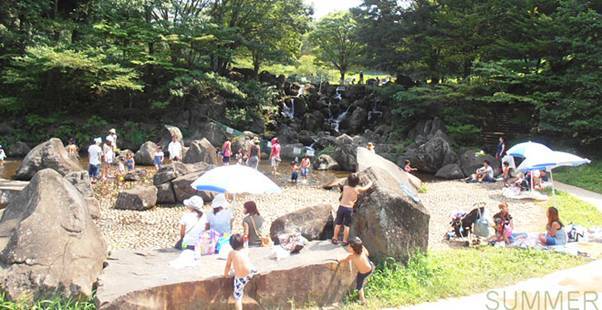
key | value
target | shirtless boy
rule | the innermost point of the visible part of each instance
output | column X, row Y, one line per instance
column 349, row 197
column 359, row 258
column 238, row 259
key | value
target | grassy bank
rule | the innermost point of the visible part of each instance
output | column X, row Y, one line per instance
column 457, row 272
column 574, row 210
column 56, row 303
column 587, row 176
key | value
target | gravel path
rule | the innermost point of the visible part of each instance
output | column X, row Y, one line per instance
column 444, row 197
column 158, row 228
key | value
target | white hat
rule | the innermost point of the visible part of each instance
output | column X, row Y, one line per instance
column 219, row 201
column 195, row 202
column 98, row 140
column 112, row 130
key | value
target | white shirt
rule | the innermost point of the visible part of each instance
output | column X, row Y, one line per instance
column 220, row 222
column 489, row 171
column 94, row 153
column 109, row 154
column 113, row 139
column 2, row 155
column 175, row 149
column 194, row 227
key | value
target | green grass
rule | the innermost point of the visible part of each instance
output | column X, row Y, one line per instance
column 457, row 272
column 587, row 176
column 56, row 303
column 574, row 210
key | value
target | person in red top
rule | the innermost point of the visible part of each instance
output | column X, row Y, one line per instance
column 407, row 167
column 227, row 152
column 275, row 155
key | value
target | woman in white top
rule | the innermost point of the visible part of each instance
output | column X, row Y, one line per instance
column 108, row 158
column 175, row 149
column 221, row 218
column 193, row 223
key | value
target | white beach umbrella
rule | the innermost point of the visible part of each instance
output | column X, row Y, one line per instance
column 235, row 179
column 528, row 149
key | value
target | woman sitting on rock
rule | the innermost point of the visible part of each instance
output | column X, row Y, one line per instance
column 192, row 224
column 221, row 218
column 252, row 224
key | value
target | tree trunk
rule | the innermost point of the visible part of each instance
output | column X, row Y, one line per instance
column 342, row 72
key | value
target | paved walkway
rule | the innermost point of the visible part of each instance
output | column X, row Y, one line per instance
column 575, row 288
column 585, row 195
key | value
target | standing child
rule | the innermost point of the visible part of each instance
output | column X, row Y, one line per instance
column 158, row 158
column 108, row 159
column 121, row 167
column 359, row 258
column 129, row 162
column 238, row 259
column 305, row 164
column 407, row 167
column 227, row 152
column 294, row 172
column 351, row 192
column 2, row 155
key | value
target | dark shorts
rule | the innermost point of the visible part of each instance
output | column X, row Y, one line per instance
column 226, row 159
column 344, row 216
column 294, row 176
column 93, row 170
column 361, row 278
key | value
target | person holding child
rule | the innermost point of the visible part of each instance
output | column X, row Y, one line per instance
column 359, row 258
column 503, row 224
column 239, row 262
column 351, row 192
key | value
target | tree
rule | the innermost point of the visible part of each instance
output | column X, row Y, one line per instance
column 334, row 43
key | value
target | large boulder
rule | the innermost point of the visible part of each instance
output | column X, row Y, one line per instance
column 450, row 172
column 345, row 153
column 326, row 162
column 314, row 223
column 390, row 221
column 426, row 129
column 433, row 154
column 358, row 120
column 367, row 159
column 138, row 198
column 50, row 154
column 141, row 280
column 146, row 154
column 9, row 189
column 81, row 181
column 18, row 149
column 201, row 151
column 472, row 159
column 165, row 194
column 183, row 190
column 49, row 243
column 211, row 131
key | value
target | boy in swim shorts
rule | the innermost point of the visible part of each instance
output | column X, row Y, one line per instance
column 359, row 258
column 238, row 259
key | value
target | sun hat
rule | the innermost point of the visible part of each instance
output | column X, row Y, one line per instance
column 219, row 201
column 112, row 130
column 194, row 202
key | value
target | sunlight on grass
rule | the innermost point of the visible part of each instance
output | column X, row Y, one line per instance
column 457, row 272
column 52, row 303
column 574, row 210
column 587, row 176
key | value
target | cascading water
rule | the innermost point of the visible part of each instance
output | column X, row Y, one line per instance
column 289, row 111
column 335, row 123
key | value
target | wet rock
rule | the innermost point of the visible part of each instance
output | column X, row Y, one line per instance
column 201, row 151
column 138, row 198
column 358, row 120
column 146, row 154
column 450, row 172
column 50, row 154
column 314, row 223
column 49, row 243
column 390, row 221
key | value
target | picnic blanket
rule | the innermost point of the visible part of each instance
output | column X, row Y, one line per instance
column 515, row 193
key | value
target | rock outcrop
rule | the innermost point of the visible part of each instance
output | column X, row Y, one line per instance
column 433, row 154
column 292, row 151
column 48, row 241
column 138, row 198
column 450, row 172
column 201, row 151
column 472, row 159
column 173, row 182
column 50, row 154
column 9, row 189
column 367, row 159
column 345, row 153
column 390, row 220
column 314, row 223
column 18, row 149
column 81, row 181
column 142, row 280
column 326, row 162
column 146, row 154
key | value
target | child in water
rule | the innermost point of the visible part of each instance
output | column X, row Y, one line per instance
column 294, row 172
column 305, row 164
column 359, row 258
column 238, row 259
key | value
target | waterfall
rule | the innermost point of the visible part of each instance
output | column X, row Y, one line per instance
column 292, row 114
column 289, row 112
column 335, row 123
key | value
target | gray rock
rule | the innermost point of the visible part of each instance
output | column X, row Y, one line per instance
column 146, row 154
column 93, row 207
column 50, row 154
column 345, row 153
column 450, row 172
column 18, row 149
column 135, row 278
column 166, row 194
column 432, row 155
column 470, row 161
column 358, row 120
column 9, row 189
column 183, row 190
column 175, row 169
column 81, row 181
column 201, row 151
column 326, row 162
column 314, row 223
column 367, row 159
column 138, row 198
column 292, row 151
column 389, row 220
column 131, row 177
column 425, row 130
column 48, row 241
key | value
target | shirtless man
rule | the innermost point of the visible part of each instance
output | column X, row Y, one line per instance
column 238, row 259
column 349, row 197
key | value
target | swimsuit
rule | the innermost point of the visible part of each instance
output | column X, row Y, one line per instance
column 344, row 216
column 240, row 283
column 361, row 277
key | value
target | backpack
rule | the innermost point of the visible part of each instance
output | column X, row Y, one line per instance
column 481, row 225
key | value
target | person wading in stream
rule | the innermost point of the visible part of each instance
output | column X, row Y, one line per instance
column 348, row 199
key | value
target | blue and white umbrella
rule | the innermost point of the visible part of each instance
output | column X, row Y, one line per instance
column 235, row 179
column 528, row 149
column 550, row 160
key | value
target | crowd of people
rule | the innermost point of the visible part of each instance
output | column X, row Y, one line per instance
column 105, row 161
